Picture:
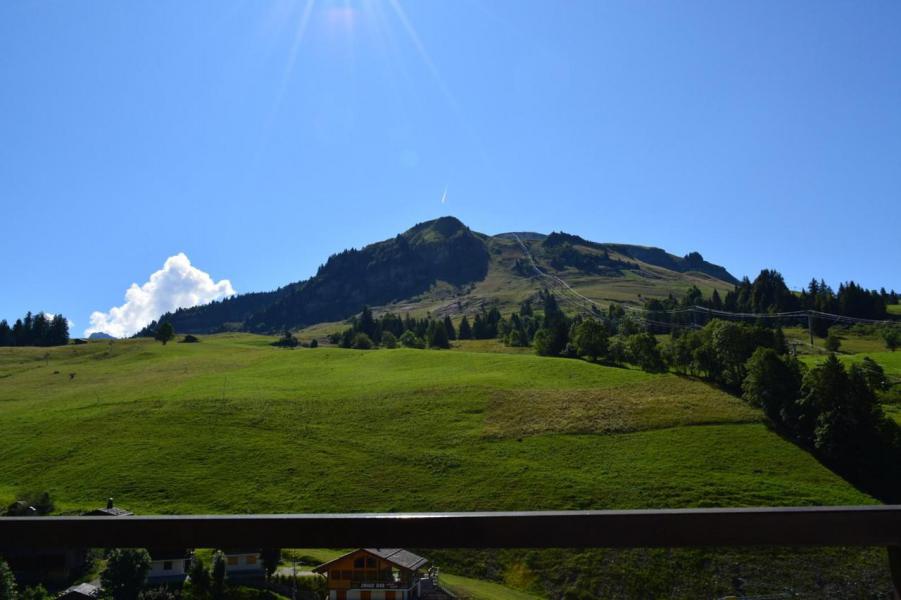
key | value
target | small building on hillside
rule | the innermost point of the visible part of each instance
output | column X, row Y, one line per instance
column 168, row 565
column 244, row 564
column 109, row 511
column 374, row 574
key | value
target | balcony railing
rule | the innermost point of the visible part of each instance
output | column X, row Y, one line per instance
column 802, row 526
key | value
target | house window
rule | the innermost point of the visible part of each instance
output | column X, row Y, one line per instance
column 370, row 563
column 346, row 574
column 167, row 565
column 252, row 559
column 232, row 561
column 358, row 563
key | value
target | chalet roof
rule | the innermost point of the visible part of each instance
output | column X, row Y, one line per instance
column 115, row 511
column 400, row 557
column 85, row 590
column 396, row 556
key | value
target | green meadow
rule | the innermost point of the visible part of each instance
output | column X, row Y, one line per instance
column 234, row 425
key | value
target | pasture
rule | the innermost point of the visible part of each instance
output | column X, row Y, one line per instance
column 233, row 425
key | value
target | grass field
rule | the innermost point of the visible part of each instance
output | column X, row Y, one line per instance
column 467, row 588
column 233, row 425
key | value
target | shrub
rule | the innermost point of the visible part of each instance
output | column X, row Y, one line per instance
column 37, row 592
column 362, row 342
column 411, row 340
column 388, row 340
column 157, row 593
column 892, row 337
column 591, row 339
column 125, row 573
column 286, row 341
column 7, row 582
column 833, row 342
column 643, row 351
column 190, row 339
column 314, row 343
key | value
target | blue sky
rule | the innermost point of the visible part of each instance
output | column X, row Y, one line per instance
column 259, row 137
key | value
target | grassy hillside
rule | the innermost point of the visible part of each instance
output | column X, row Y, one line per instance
column 510, row 280
column 234, row 425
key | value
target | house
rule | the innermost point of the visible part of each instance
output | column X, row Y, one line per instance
column 375, row 574
column 168, row 565
column 82, row 591
column 109, row 511
column 244, row 564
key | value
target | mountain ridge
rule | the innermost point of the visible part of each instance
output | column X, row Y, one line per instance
column 443, row 266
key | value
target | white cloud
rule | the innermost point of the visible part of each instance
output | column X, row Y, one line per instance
column 177, row 285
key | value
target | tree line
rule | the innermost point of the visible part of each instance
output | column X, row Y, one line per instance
column 832, row 410
column 768, row 293
column 125, row 578
column 35, row 330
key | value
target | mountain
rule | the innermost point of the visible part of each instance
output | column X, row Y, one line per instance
column 443, row 267
column 99, row 335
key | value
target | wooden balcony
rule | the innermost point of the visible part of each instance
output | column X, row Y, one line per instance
column 801, row 526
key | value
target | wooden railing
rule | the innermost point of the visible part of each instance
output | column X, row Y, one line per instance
column 803, row 526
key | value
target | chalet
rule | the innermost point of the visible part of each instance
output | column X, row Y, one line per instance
column 168, row 565
column 244, row 564
column 374, row 574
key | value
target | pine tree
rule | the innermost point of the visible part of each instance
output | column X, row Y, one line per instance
column 218, row 572
column 165, row 333
column 6, row 334
column 40, row 330
column 478, row 328
column 449, row 328
column 437, row 335
column 465, row 329
column 367, row 324
column 59, row 331
column 200, row 579
column 270, row 558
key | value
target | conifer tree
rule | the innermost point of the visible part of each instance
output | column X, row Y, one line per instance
column 165, row 333
column 6, row 334
column 465, row 330
column 218, row 576
column 449, row 328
